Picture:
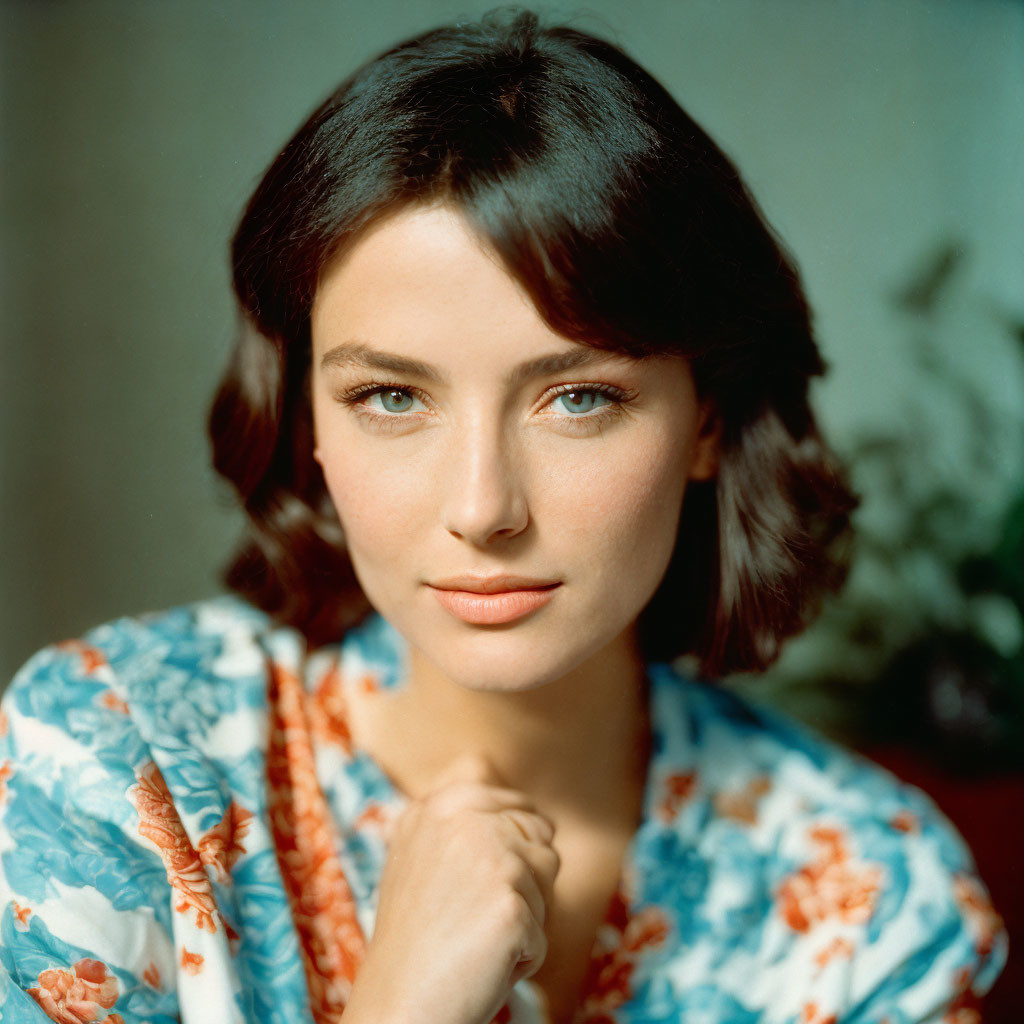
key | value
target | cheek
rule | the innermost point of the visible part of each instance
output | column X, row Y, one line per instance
column 376, row 500
column 610, row 509
column 624, row 504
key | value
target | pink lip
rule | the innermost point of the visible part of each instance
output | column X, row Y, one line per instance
column 492, row 584
column 493, row 606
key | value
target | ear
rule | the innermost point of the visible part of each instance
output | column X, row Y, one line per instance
column 319, row 458
column 707, row 444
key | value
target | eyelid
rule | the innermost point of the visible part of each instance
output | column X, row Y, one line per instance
column 356, row 395
column 616, row 395
column 618, row 398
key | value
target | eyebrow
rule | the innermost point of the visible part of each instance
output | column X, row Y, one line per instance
column 353, row 352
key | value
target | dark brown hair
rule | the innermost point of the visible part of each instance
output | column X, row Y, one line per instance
column 629, row 229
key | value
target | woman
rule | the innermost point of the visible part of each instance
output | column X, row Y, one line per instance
column 518, row 414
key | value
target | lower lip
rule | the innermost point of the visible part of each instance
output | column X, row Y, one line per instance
column 493, row 609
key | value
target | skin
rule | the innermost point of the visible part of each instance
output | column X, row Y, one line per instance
column 463, row 905
column 477, row 477
column 474, row 473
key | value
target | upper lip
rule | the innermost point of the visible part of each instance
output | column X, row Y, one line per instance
column 492, row 584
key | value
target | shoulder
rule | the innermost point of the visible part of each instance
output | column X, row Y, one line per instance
column 122, row 756
column 122, row 642
column 750, row 760
column 171, row 663
column 183, row 688
column 809, row 857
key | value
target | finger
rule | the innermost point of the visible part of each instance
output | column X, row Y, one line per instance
column 535, row 949
column 534, row 826
column 533, row 877
column 459, row 796
column 543, row 864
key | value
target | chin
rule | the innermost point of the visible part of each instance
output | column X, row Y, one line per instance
column 510, row 660
column 498, row 679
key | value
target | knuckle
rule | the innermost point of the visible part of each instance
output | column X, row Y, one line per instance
column 521, row 823
column 456, row 796
column 512, row 912
column 512, row 870
column 547, row 826
column 537, row 951
column 468, row 837
column 554, row 859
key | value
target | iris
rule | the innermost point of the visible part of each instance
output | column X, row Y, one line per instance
column 582, row 401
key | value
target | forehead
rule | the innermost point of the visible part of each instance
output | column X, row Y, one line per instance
column 420, row 293
column 421, row 285
column 422, row 279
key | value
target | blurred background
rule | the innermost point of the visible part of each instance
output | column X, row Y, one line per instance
column 885, row 141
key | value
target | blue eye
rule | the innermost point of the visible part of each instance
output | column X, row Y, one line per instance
column 395, row 400
column 384, row 406
column 581, row 401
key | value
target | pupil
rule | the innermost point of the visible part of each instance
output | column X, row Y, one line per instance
column 579, row 401
column 398, row 400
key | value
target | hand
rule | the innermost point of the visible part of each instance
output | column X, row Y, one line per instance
column 463, row 899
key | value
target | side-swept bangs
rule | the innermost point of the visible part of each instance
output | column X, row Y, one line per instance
column 629, row 229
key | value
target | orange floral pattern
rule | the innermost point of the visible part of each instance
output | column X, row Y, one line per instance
column 964, row 1009
column 159, row 823
column 833, row 885
column 77, row 995
column 962, row 1015
column 905, row 821
column 622, row 941
column 742, row 805
column 221, row 691
column 376, row 816
column 837, row 949
column 812, row 1015
column 191, row 963
column 328, row 712
column 985, row 923
column 109, row 699
column 221, row 846
column 323, row 907
column 92, row 658
column 679, row 787
column 6, row 774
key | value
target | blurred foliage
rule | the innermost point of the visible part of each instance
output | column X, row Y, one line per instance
column 925, row 646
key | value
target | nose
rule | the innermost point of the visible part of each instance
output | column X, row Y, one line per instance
column 484, row 494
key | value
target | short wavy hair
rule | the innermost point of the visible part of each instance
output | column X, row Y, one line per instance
column 629, row 229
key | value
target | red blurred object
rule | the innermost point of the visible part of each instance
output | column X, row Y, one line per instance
column 988, row 811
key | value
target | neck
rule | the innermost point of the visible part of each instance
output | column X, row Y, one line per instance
column 577, row 745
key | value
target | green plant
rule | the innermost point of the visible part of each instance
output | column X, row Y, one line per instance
column 925, row 646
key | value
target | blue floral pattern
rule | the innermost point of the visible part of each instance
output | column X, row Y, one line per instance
column 149, row 860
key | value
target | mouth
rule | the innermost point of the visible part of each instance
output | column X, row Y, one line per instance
column 493, row 584
column 493, row 600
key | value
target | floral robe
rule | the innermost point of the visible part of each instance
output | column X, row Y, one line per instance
column 187, row 834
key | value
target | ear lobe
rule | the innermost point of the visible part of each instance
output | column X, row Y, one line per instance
column 707, row 445
column 318, row 457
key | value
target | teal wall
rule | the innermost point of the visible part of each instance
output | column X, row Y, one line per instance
column 873, row 131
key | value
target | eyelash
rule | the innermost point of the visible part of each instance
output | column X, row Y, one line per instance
column 591, row 422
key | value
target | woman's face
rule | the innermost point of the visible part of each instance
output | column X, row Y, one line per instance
column 460, row 436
